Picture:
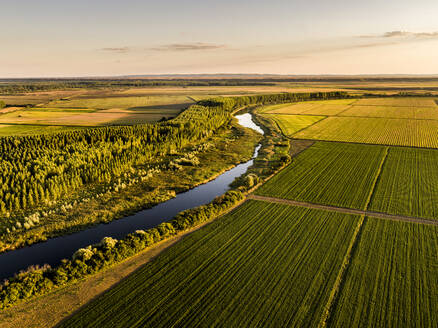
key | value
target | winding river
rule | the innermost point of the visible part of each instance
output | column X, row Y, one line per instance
column 55, row 249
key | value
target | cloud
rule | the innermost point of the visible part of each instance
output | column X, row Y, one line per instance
column 188, row 47
column 118, row 50
column 402, row 35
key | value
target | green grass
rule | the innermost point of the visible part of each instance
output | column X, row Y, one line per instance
column 392, row 280
column 17, row 130
column 392, row 112
column 262, row 265
column 329, row 173
column 408, row 184
column 133, row 102
column 290, row 124
column 386, row 131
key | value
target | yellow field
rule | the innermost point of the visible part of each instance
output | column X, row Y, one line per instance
column 325, row 107
column 392, row 112
column 290, row 124
column 397, row 132
column 409, row 102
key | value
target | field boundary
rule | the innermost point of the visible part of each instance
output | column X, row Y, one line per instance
column 345, row 210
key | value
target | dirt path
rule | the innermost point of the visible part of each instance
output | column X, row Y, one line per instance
column 344, row 210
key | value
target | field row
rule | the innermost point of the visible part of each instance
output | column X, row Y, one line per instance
column 342, row 175
column 396, row 132
column 270, row 265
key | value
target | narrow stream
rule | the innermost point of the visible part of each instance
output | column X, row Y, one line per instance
column 54, row 250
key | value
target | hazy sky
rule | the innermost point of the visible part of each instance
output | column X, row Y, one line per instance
column 108, row 37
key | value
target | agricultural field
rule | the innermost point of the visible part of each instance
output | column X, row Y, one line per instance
column 72, row 117
column 408, row 184
column 395, row 132
column 21, row 130
column 392, row 280
column 329, row 173
column 276, row 269
column 324, row 107
column 398, row 102
column 393, row 112
column 290, row 124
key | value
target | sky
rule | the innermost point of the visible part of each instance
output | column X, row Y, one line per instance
column 58, row 38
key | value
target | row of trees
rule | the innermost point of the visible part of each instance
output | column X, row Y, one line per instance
column 43, row 168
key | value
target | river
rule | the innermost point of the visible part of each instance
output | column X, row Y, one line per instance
column 55, row 249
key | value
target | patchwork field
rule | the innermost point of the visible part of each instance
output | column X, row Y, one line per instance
column 18, row 130
column 396, row 132
column 392, row 280
column 326, row 107
column 408, row 184
column 392, row 112
column 290, row 124
column 399, row 101
column 276, row 269
column 329, row 173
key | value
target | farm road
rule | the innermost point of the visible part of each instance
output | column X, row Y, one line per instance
column 344, row 210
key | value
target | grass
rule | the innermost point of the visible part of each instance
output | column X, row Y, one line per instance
column 330, row 174
column 408, row 184
column 275, row 269
column 133, row 102
column 408, row 101
column 324, row 107
column 396, row 132
column 393, row 278
column 81, row 117
column 18, row 130
column 392, row 112
column 290, row 124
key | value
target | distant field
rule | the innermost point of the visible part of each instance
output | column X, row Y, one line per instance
column 290, row 124
column 275, row 269
column 133, row 103
column 71, row 117
column 392, row 112
column 397, row 132
column 407, row 101
column 17, row 130
column 325, row 107
column 329, row 173
column 408, row 184
column 393, row 278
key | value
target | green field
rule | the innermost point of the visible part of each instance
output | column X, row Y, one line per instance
column 324, row 107
column 392, row 280
column 329, row 173
column 398, row 101
column 396, row 132
column 392, row 112
column 19, row 130
column 261, row 265
column 290, row 124
column 408, row 184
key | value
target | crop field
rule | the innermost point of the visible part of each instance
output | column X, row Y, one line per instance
column 329, row 173
column 397, row 102
column 18, row 130
column 290, row 124
column 392, row 112
column 392, row 280
column 133, row 103
column 78, row 117
column 396, row 132
column 263, row 264
column 408, row 184
column 325, row 107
